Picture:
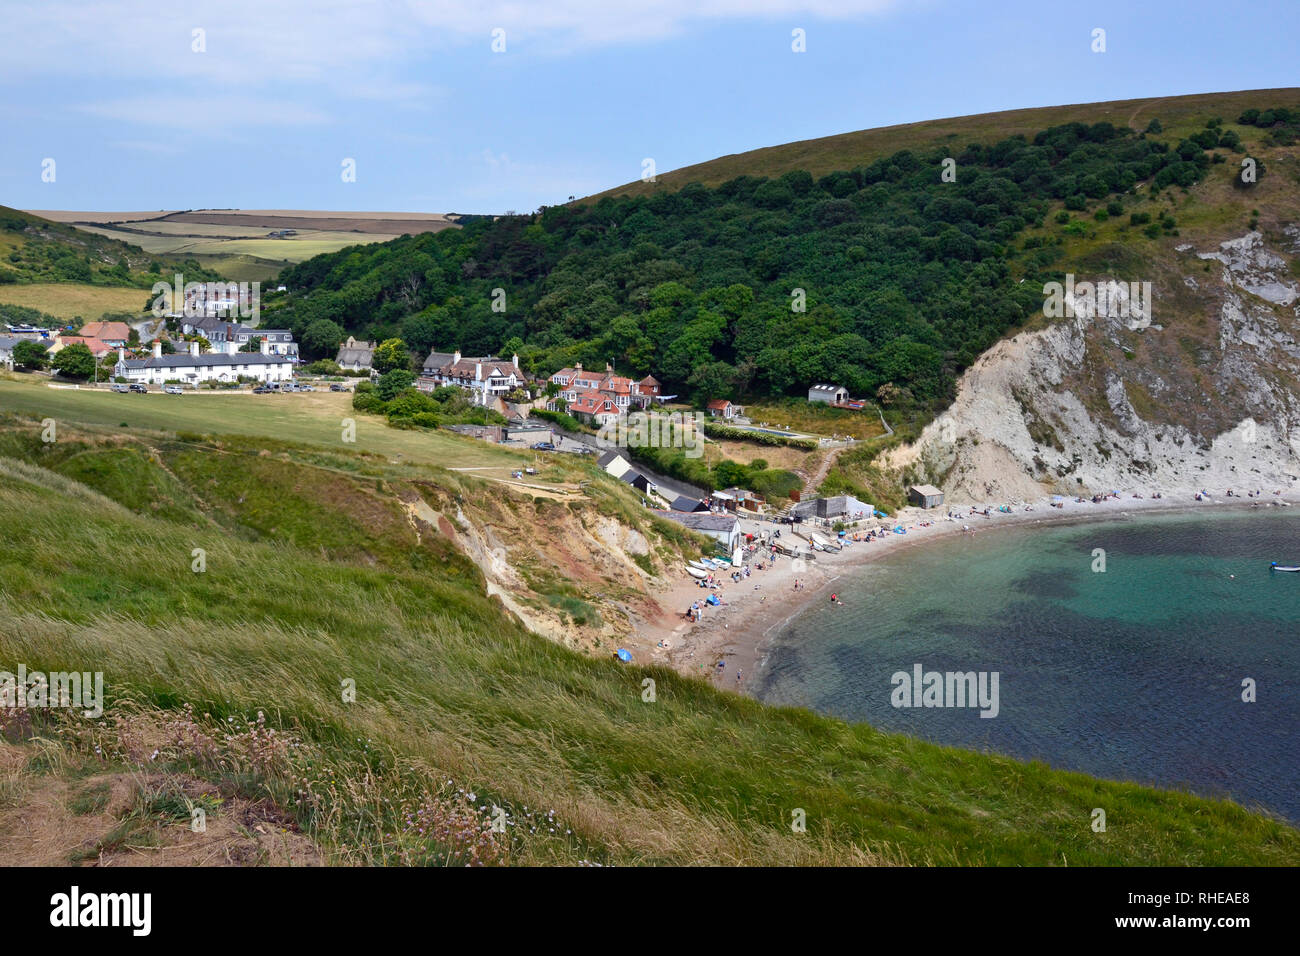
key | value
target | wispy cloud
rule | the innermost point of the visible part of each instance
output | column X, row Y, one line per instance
column 339, row 43
column 220, row 117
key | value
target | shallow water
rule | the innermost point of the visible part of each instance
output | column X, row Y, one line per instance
column 1132, row 673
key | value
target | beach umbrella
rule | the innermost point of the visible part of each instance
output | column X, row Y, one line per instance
column 624, row 655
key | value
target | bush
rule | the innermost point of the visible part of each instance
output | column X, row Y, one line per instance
column 565, row 421
column 1139, row 218
column 715, row 430
column 393, row 382
column 367, row 401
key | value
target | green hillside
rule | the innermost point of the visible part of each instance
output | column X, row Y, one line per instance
column 881, row 274
column 316, row 577
column 827, row 154
column 36, row 250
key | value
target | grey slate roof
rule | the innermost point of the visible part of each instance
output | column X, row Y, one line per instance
column 688, row 504
column 702, row 521
column 201, row 361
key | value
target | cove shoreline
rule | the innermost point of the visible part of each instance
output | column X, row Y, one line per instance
column 740, row 633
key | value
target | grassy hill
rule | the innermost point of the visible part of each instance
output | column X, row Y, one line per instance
column 320, row 574
column 827, row 154
column 33, row 249
column 69, row 274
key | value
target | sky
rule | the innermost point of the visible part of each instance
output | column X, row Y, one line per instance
column 507, row 105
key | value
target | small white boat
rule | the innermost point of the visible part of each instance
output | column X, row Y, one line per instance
column 696, row 573
column 1283, row 567
column 822, row 543
column 698, row 564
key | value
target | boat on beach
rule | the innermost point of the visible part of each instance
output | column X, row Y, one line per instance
column 696, row 573
column 819, row 542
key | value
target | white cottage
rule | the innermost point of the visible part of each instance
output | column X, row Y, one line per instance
column 195, row 369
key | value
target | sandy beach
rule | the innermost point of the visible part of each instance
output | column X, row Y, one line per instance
column 737, row 633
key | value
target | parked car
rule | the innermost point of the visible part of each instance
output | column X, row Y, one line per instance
column 136, row 387
column 306, row 388
column 544, row 446
column 119, row 388
column 336, row 387
column 173, row 390
column 263, row 390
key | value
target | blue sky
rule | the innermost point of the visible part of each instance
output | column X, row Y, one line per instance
column 436, row 121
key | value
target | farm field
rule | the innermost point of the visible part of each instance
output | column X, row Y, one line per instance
column 235, row 242
column 314, row 418
column 180, row 240
column 71, row 300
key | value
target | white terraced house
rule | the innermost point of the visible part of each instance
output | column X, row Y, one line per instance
column 192, row 368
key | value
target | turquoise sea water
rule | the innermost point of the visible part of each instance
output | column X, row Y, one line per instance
column 1133, row 673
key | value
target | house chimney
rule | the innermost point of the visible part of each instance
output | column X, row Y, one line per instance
column 121, row 354
column 578, row 367
column 514, row 360
column 455, row 358
column 194, row 349
column 609, row 369
column 157, row 348
column 266, row 347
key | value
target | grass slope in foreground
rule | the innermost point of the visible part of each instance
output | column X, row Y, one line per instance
column 316, row 418
column 318, row 575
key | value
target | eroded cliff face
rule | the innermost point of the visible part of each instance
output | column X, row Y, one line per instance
column 1207, row 396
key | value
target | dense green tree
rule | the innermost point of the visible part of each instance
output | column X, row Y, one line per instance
column 30, row 355
column 74, row 361
column 389, row 356
column 321, row 339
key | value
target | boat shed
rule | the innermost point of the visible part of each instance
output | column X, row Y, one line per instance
column 687, row 504
column 830, row 394
column 835, row 507
column 724, row 529
column 925, row 496
column 637, row 480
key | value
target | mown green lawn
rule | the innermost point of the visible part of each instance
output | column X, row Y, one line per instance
column 313, row 418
